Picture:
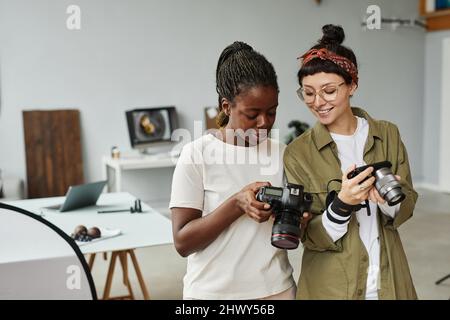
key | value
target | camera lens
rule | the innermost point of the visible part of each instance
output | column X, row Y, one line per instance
column 287, row 204
column 286, row 231
column 388, row 186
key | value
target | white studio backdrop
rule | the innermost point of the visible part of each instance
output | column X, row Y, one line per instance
column 445, row 117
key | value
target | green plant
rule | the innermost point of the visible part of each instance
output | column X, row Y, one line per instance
column 298, row 128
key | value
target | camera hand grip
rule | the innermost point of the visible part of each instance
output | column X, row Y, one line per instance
column 376, row 166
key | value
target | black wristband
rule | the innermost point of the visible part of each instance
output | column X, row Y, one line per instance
column 333, row 219
column 341, row 208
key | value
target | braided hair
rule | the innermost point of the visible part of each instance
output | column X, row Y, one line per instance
column 241, row 68
column 332, row 39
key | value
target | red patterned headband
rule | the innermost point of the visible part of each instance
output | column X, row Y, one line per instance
column 325, row 54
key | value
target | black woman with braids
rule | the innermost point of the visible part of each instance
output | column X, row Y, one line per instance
column 217, row 221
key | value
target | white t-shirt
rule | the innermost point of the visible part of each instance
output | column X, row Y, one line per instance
column 241, row 263
column 351, row 151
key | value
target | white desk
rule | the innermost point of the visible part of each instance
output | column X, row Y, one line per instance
column 113, row 168
column 138, row 229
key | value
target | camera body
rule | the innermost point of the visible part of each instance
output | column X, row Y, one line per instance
column 288, row 205
column 385, row 182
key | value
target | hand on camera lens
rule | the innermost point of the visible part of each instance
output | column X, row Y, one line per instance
column 356, row 190
column 246, row 200
column 375, row 196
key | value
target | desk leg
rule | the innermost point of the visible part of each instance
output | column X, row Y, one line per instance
column 110, row 275
column 123, row 257
column 118, row 180
column 105, row 174
column 91, row 261
column 126, row 280
column 139, row 275
column 114, row 177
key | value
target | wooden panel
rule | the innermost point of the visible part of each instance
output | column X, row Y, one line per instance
column 53, row 151
column 422, row 9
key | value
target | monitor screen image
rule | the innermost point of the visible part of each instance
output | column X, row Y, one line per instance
column 150, row 126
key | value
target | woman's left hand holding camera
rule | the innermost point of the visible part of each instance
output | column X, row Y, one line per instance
column 246, row 201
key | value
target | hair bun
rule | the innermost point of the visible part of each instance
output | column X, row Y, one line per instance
column 332, row 34
column 231, row 50
column 239, row 46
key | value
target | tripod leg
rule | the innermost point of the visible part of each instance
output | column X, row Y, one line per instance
column 443, row 279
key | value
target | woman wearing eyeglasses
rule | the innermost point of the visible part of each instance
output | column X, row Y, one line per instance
column 348, row 254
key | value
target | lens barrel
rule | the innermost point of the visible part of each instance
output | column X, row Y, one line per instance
column 388, row 186
column 286, row 230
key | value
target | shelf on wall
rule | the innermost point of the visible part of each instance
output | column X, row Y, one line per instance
column 437, row 13
column 436, row 20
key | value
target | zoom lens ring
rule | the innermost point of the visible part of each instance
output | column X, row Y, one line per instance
column 286, row 228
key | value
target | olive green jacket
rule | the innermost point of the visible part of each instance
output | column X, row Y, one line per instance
column 338, row 270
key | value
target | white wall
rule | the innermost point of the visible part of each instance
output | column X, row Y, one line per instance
column 164, row 52
column 432, row 107
column 444, row 171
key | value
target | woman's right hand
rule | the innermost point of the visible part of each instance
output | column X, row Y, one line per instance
column 247, row 203
column 352, row 192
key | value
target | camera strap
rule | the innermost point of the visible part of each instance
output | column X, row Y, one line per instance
column 365, row 205
column 331, row 195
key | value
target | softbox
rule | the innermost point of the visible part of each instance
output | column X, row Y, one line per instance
column 39, row 261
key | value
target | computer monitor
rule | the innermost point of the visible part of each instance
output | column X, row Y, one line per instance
column 150, row 129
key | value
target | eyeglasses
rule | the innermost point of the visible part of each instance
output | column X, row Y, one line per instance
column 328, row 93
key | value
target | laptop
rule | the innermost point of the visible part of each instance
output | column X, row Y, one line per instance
column 80, row 196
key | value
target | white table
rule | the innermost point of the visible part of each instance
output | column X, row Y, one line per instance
column 137, row 230
column 113, row 168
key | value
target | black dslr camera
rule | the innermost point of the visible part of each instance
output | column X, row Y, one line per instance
column 288, row 205
column 385, row 181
